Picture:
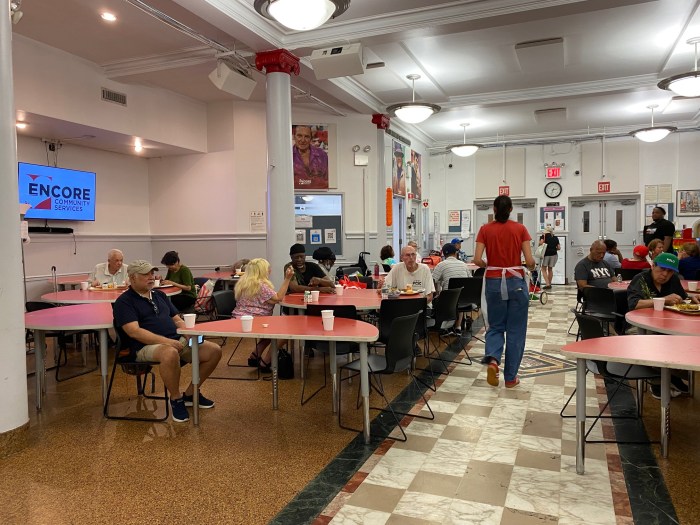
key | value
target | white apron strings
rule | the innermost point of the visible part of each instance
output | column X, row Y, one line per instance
column 513, row 270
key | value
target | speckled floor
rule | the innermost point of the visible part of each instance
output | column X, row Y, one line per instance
column 498, row 456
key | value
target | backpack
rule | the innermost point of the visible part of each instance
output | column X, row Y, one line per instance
column 285, row 364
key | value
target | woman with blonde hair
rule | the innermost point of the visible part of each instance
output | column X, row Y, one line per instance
column 256, row 296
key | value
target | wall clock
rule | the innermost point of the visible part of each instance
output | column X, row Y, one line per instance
column 552, row 189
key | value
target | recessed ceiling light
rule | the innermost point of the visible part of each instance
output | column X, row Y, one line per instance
column 138, row 146
column 20, row 125
column 108, row 17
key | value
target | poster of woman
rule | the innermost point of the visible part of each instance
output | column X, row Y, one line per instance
column 398, row 172
column 416, row 180
column 310, row 157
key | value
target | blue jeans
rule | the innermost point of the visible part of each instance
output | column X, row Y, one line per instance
column 507, row 323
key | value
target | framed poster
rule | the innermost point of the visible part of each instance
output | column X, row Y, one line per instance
column 310, row 156
column 688, row 202
column 398, row 171
column 416, row 179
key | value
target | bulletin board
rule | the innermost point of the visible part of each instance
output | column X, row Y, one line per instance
column 318, row 221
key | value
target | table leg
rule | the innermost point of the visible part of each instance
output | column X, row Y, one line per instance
column 334, row 375
column 39, row 365
column 195, row 379
column 665, row 409
column 580, row 415
column 103, row 362
column 364, row 389
column 275, row 384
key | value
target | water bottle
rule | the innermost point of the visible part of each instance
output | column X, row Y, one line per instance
column 619, row 278
column 385, row 291
column 376, row 270
column 307, row 297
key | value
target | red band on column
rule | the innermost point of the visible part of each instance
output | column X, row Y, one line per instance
column 277, row 61
column 381, row 120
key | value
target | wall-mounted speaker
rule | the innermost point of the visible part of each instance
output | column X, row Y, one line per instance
column 338, row 61
column 232, row 81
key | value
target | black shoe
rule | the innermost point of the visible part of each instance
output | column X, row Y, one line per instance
column 253, row 362
column 678, row 384
column 265, row 367
column 417, row 351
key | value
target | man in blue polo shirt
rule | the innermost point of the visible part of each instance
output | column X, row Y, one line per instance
column 461, row 256
column 151, row 322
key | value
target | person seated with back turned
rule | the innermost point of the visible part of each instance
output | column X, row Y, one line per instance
column 410, row 273
column 326, row 259
column 461, row 255
column 689, row 261
column 255, row 296
column 387, row 255
column 179, row 276
column 151, row 322
column 446, row 270
column 639, row 259
column 612, row 255
column 660, row 281
column 112, row 272
column 307, row 275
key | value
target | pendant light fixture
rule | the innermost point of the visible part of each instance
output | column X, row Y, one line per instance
column 653, row 134
column 301, row 15
column 413, row 112
column 464, row 149
column 685, row 84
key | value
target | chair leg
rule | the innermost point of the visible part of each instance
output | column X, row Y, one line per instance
column 228, row 363
column 303, row 381
column 164, row 397
column 63, row 349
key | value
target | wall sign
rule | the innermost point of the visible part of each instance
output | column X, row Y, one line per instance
column 504, row 190
column 604, row 186
column 552, row 173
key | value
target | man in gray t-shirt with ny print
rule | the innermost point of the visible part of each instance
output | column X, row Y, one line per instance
column 593, row 270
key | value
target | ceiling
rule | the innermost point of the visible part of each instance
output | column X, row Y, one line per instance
column 597, row 72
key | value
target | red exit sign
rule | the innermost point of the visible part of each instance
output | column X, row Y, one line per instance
column 604, row 187
column 553, row 173
column 504, row 190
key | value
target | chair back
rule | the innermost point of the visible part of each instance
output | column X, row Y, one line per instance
column 445, row 306
column 591, row 327
column 199, row 281
column 471, row 291
column 33, row 306
column 224, row 303
column 599, row 300
column 390, row 309
column 387, row 267
column 346, row 311
column 399, row 347
column 479, row 272
column 369, row 281
column 628, row 274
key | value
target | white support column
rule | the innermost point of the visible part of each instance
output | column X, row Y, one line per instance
column 382, row 123
column 14, row 412
column 279, row 65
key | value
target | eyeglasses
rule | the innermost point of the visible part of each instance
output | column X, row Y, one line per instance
column 153, row 305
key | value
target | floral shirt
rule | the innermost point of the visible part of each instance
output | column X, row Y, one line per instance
column 257, row 305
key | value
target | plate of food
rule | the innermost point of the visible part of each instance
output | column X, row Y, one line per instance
column 409, row 292
column 685, row 308
column 106, row 288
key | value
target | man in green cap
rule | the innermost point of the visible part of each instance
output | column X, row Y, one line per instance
column 660, row 281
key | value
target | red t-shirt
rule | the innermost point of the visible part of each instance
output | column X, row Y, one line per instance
column 631, row 264
column 504, row 245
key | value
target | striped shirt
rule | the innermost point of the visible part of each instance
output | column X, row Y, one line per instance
column 446, row 270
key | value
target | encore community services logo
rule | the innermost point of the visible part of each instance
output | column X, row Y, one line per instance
column 57, row 193
column 59, row 197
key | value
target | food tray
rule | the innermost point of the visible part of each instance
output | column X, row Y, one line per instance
column 675, row 308
column 105, row 289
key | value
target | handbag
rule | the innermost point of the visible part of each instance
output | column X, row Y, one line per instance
column 285, row 364
column 348, row 282
column 539, row 251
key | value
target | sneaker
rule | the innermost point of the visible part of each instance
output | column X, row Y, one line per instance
column 512, row 384
column 179, row 412
column 203, row 401
column 457, row 332
column 679, row 385
column 492, row 373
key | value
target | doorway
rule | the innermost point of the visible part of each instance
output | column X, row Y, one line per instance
column 524, row 212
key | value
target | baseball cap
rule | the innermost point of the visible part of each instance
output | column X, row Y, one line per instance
column 456, row 240
column 140, row 266
column 449, row 249
column 667, row 260
column 640, row 250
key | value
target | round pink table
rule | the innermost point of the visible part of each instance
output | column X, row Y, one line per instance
column 622, row 285
column 664, row 322
column 362, row 299
column 90, row 296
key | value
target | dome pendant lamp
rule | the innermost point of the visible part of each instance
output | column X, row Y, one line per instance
column 464, row 149
column 653, row 134
column 301, row 15
column 413, row 112
column 685, row 84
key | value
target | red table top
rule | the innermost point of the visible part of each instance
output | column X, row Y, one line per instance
column 650, row 350
column 89, row 296
column 622, row 285
column 362, row 299
column 665, row 322
column 78, row 317
column 71, row 279
column 300, row 327
column 224, row 276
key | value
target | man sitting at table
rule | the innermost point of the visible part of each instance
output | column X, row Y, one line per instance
column 639, row 259
column 307, row 275
column 660, row 281
column 446, row 270
column 111, row 272
column 151, row 321
column 410, row 272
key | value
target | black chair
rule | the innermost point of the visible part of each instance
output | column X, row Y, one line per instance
column 469, row 300
column 444, row 311
column 398, row 357
column 628, row 274
column 351, row 270
column 479, row 272
column 386, row 267
column 341, row 348
column 601, row 304
column 576, row 309
column 224, row 305
column 125, row 359
column 590, row 328
column 697, row 275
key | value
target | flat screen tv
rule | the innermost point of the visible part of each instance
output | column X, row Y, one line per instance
column 57, row 193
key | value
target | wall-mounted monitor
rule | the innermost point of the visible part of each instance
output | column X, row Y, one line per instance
column 57, row 193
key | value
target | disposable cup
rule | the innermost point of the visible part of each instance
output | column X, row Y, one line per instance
column 189, row 320
column 314, row 296
column 156, row 283
column 339, row 289
column 247, row 323
column 326, row 313
column 85, row 285
column 328, row 323
column 693, row 286
column 659, row 303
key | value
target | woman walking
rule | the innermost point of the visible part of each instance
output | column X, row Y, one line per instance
column 506, row 290
column 549, row 261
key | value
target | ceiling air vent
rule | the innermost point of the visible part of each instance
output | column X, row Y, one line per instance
column 112, row 96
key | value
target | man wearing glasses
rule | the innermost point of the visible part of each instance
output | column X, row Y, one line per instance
column 409, row 273
column 150, row 322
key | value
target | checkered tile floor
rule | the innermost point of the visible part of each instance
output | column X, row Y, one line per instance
column 494, row 456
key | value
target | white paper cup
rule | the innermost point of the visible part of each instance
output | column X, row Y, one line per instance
column 156, row 283
column 339, row 289
column 314, row 296
column 326, row 313
column 247, row 323
column 693, row 286
column 659, row 303
column 189, row 320
column 85, row 285
column 328, row 323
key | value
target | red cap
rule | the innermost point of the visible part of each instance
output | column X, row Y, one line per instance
column 640, row 250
